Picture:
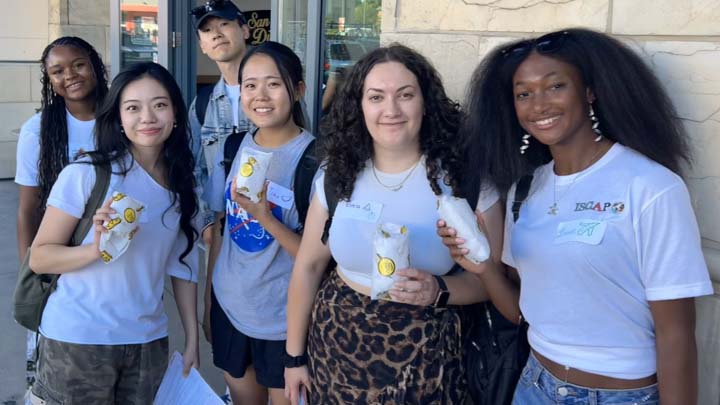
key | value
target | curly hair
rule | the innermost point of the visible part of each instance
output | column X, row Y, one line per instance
column 632, row 107
column 347, row 144
column 53, row 154
column 114, row 146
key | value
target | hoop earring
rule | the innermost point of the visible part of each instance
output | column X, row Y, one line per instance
column 526, row 143
column 595, row 124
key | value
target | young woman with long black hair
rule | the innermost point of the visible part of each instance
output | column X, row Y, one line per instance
column 606, row 245
column 73, row 84
column 250, row 263
column 104, row 330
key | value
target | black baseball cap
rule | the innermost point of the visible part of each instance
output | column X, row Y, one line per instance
column 216, row 8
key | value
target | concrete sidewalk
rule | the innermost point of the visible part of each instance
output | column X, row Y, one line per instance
column 12, row 341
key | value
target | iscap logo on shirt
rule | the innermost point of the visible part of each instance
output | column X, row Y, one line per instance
column 614, row 207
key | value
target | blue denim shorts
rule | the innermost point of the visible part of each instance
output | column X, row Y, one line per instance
column 537, row 387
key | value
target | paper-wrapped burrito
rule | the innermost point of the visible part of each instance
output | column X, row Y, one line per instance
column 456, row 213
column 251, row 173
column 391, row 252
column 122, row 226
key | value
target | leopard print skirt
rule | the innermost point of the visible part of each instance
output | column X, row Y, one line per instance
column 380, row 352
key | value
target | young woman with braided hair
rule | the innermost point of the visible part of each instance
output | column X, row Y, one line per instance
column 74, row 83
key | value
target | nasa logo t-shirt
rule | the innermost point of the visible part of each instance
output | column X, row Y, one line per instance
column 244, row 230
column 252, row 271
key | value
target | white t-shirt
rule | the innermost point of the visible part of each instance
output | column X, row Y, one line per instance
column 80, row 138
column 624, row 234
column 415, row 206
column 120, row 302
column 233, row 94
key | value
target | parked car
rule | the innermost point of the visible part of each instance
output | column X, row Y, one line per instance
column 341, row 54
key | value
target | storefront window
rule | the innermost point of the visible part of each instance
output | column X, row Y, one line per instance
column 292, row 28
column 138, row 31
column 351, row 28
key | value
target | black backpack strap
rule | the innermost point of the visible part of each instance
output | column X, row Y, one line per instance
column 96, row 200
column 201, row 102
column 302, row 183
column 230, row 149
column 521, row 192
column 332, row 201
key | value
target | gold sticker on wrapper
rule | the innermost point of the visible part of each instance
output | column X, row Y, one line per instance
column 386, row 266
column 113, row 223
column 246, row 170
column 105, row 256
column 129, row 215
column 118, row 196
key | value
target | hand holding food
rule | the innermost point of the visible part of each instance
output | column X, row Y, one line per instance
column 457, row 214
column 251, row 173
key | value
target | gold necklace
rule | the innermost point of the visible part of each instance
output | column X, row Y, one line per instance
column 395, row 187
column 553, row 209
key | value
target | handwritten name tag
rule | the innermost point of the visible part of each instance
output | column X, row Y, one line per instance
column 587, row 231
column 361, row 211
column 280, row 195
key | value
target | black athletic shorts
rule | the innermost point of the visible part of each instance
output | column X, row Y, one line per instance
column 233, row 351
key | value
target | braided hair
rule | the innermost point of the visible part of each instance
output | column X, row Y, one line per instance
column 53, row 154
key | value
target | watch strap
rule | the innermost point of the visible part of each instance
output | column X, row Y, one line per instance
column 294, row 361
column 443, row 293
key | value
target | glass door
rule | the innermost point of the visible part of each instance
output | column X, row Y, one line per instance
column 139, row 32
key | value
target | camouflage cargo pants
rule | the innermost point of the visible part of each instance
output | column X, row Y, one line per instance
column 71, row 374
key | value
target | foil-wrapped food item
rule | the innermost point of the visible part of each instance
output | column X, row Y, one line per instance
column 457, row 214
column 251, row 173
column 391, row 251
column 121, row 227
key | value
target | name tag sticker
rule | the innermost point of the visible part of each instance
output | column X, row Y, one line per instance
column 589, row 231
column 280, row 195
column 361, row 211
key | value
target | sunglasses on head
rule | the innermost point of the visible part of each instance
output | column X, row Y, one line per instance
column 548, row 43
column 207, row 7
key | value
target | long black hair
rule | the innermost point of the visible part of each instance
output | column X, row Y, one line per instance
column 347, row 144
column 632, row 107
column 53, row 154
column 290, row 68
column 114, row 146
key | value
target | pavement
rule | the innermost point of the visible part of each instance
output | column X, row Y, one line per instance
column 12, row 341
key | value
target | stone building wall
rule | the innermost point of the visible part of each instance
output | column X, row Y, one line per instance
column 25, row 30
column 679, row 39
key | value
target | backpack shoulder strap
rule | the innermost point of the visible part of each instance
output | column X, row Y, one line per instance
column 302, row 183
column 521, row 192
column 201, row 102
column 97, row 195
column 230, row 149
column 332, row 201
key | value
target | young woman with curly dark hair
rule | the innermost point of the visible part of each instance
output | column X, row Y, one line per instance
column 393, row 147
column 74, row 83
column 104, row 329
column 606, row 244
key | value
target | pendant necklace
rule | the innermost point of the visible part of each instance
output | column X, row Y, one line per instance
column 395, row 187
column 553, row 209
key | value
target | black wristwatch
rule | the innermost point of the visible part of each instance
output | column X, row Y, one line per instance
column 443, row 294
column 294, row 361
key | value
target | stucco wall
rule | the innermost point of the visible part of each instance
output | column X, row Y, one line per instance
column 679, row 39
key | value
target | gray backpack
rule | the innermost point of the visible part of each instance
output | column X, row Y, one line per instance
column 32, row 290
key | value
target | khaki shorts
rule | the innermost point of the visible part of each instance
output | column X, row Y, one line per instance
column 69, row 373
